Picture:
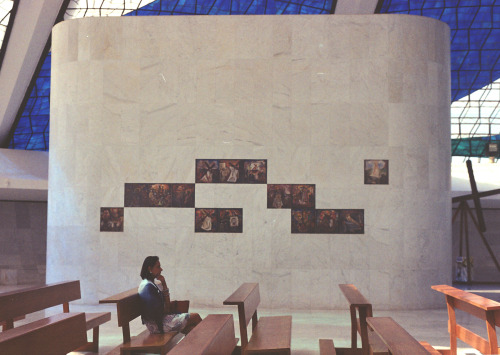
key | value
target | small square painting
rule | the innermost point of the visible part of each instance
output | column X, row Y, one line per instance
column 279, row 196
column 376, row 172
column 111, row 219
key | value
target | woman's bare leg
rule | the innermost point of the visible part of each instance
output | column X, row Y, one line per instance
column 193, row 321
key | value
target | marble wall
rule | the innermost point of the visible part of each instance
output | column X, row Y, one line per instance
column 139, row 99
column 23, row 238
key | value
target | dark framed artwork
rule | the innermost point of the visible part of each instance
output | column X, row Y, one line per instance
column 352, row 221
column 230, row 171
column 111, row 219
column 303, row 221
column 279, row 196
column 148, row 195
column 303, row 196
column 218, row 220
column 183, row 195
column 206, row 220
column 255, row 171
column 327, row 221
column 376, row 172
column 230, row 220
column 207, row 171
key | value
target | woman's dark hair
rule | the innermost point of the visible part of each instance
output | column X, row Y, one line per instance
column 150, row 261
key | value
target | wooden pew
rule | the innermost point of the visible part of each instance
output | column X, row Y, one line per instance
column 397, row 340
column 269, row 334
column 14, row 304
column 478, row 306
column 213, row 336
column 59, row 334
column 128, row 307
column 360, row 309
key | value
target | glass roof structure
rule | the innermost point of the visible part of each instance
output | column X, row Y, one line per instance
column 5, row 9
column 475, row 67
column 475, row 52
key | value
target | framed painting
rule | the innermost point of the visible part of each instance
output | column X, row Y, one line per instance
column 279, row 196
column 207, row 171
column 303, row 196
column 327, row 221
column 183, row 195
column 255, row 171
column 206, row 220
column 303, row 221
column 230, row 220
column 230, row 171
column 148, row 195
column 111, row 219
column 376, row 172
column 351, row 221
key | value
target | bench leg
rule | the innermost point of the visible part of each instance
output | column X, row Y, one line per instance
column 94, row 345
column 95, row 340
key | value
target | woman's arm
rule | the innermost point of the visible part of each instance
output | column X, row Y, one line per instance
column 166, row 294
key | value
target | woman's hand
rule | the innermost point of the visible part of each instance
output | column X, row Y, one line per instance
column 161, row 278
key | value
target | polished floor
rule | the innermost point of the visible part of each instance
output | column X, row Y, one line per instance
column 309, row 326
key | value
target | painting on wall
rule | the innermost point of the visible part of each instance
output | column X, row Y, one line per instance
column 230, row 220
column 303, row 196
column 218, row 220
column 279, row 196
column 230, row 171
column 352, row 221
column 255, row 171
column 327, row 221
column 111, row 219
column 376, row 172
column 303, row 221
column 148, row 195
column 205, row 220
column 207, row 171
column 183, row 195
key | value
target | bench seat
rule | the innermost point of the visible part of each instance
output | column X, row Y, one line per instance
column 213, row 336
column 147, row 343
column 59, row 334
column 16, row 304
column 272, row 333
column 395, row 337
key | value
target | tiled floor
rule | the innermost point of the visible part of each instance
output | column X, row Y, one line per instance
column 309, row 326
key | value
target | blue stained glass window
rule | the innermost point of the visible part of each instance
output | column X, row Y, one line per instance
column 475, row 27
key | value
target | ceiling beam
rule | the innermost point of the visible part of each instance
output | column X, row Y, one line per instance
column 29, row 35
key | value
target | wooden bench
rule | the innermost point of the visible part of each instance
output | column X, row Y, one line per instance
column 128, row 307
column 478, row 306
column 14, row 304
column 397, row 340
column 213, row 336
column 59, row 334
column 359, row 309
column 269, row 334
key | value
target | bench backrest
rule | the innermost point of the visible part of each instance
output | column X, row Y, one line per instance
column 128, row 307
column 32, row 299
column 247, row 298
column 395, row 337
column 213, row 336
column 59, row 334
column 360, row 309
column 478, row 306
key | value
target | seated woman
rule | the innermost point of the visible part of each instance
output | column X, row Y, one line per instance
column 155, row 312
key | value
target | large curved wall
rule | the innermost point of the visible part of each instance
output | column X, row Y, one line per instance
column 139, row 99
